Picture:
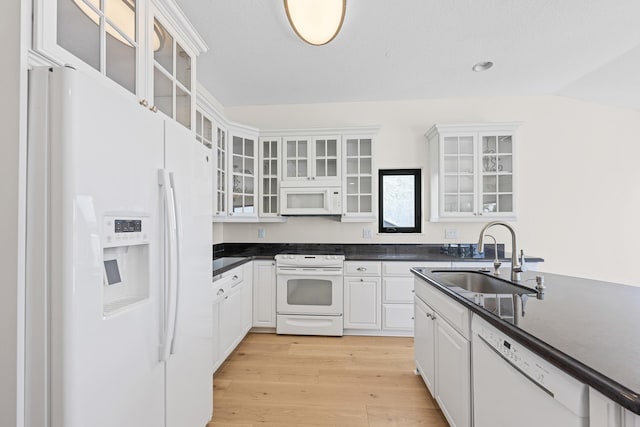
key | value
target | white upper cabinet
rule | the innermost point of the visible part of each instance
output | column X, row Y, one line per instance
column 148, row 59
column 472, row 171
column 242, row 151
column 311, row 161
column 269, row 176
column 359, row 202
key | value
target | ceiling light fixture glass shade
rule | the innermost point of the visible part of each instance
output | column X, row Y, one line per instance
column 317, row 22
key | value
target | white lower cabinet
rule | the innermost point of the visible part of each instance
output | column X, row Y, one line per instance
column 362, row 290
column 603, row 412
column 443, row 352
column 232, row 311
column 264, row 294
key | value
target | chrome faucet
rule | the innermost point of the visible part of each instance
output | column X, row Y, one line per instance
column 516, row 267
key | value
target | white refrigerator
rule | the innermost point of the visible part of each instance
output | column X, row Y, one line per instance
column 119, row 296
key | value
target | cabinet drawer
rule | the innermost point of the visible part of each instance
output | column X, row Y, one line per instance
column 403, row 268
column 454, row 313
column 397, row 289
column 364, row 268
column 229, row 279
column 397, row 316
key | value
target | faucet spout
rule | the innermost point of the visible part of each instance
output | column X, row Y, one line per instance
column 516, row 268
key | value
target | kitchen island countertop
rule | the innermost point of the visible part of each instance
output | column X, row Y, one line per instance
column 587, row 328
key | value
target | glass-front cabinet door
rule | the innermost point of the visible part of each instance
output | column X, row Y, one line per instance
column 220, row 172
column 472, row 171
column 269, row 176
column 358, row 194
column 243, row 176
column 311, row 161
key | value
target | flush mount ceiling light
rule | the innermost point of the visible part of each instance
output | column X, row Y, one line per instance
column 317, row 22
column 482, row 66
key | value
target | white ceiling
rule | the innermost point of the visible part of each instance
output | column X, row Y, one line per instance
column 410, row 49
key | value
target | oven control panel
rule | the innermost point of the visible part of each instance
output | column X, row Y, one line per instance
column 302, row 260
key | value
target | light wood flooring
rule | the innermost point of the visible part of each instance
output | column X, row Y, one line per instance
column 279, row 380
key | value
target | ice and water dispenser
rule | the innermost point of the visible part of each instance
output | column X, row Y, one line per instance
column 125, row 250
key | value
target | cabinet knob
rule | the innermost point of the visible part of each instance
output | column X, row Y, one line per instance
column 413, row 318
column 313, row 177
column 361, row 279
column 413, row 291
column 235, row 277
column 154, row 109
column 361, row 268
column 144, row 102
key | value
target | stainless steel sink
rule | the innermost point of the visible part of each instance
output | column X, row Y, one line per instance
column 478, row 282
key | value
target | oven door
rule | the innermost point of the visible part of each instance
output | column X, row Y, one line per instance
column 315, row 291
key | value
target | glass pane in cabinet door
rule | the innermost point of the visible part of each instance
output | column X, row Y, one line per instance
column 302, row 149
column 451, row 184
column 265, row 167
column 122, row 15
column 505, row 203
column 451, row 164
column 162, row 92
column 332, row 167
column 365, row 147
column 352, row 185
column 489, row 203
column 274, row 204
column 302, row 168
column 352, row 203
column 120, row 60
column 466, row 183
column 365, row 185
column 274, row 186
column 183, row 107
column 466, row 145
column 365, row 166
column 78, row 30
column 489, row 144
column 505, row 163
column 365, row 204
column 451, row 203
column 352, row 147
column 291, row 169
column 248, row 147
column 248, row 166
column 248, row 186
column 450, row 145
column 489, row 184
column 505, row 145
column 198, row 123
column 490, row 163
column 274, row 148
column 265, row 186
column 466, row 203
column 207, row 129
column 321, row 168
column 248, row 204
column 237, row 203
column 266, row 148
column 237, row 145
column 163, row 47
column 321, row 149
column 183, row 67
column 352, row 166
column 505, row 183
column 466, row 164
column 274, row 167
column 291, row 149
column 332, row 147
column 237, row 165
column 265, row 204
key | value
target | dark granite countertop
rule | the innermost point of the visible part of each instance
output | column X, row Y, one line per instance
column 220, row 265
column 585, row 327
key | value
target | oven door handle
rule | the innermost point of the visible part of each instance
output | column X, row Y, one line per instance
column 283, row 271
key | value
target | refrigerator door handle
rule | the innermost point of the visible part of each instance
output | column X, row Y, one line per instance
column 170, row 282
column 178, row 231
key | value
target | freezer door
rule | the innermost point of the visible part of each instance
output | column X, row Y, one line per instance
column 189, row 365
column 102, row 152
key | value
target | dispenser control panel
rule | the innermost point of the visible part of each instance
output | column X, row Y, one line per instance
column 125, row 231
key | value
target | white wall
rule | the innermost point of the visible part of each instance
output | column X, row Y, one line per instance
column 578, row 176
column 12, row 125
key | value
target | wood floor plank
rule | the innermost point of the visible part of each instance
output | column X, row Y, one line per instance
column 280, row 380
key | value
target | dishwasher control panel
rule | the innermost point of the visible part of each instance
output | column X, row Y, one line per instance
column 522, row 359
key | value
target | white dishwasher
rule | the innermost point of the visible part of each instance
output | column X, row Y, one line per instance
column 512, row 386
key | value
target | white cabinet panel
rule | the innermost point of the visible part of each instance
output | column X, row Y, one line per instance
column 424, row 343
column 264, row 294
column 362, row 309
column 397, row 316
column 397, row 290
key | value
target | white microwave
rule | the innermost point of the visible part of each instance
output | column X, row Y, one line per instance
column 310, row 201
